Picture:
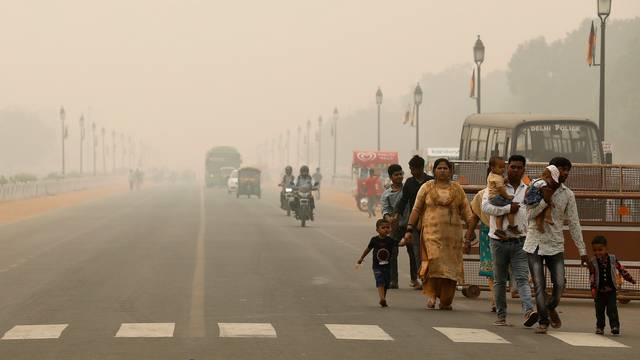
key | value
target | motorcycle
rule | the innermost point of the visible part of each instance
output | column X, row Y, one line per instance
column 288, row 199
column 304, row 211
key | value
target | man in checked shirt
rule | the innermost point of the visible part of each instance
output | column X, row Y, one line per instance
column 548, row 247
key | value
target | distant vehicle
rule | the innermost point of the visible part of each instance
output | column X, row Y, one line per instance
column 232, row 182
column 537, row 137
column 218, row 158
column 249, row 182
column 361, row 163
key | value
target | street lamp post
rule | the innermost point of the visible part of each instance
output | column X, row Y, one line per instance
column 113, row 153
column 319, row 142
column 417, row 98
column 104, row 154
column 604, row 10
column 335, row 140
column 308, row 142
column 288, row 149
column 298, row 148
column 478, row 58
column 95, row 143
column 63, row 114
column 82, row 136
column 379, row 102
column 124, row 149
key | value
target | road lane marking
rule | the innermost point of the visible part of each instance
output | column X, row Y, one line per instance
column 146, row 330
column 196, row 315
column 586, row 339
column 471, row 335
column 28, row 332
column 357, row 332
column 245, row 330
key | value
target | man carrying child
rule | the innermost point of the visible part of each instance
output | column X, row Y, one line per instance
column 547, row 248
column 507, row 250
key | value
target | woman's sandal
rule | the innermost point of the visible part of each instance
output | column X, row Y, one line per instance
column 431, row 304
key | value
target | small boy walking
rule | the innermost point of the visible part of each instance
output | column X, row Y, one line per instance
column 604, row 271
column 382, row 246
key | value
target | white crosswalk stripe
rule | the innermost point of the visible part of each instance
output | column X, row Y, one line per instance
column 146, row 330
column 471, row 335
column 247, row 330
column 585, row 339
column 27, row 332
column 357, row 332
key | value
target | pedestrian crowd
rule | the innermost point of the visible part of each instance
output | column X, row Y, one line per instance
column 521, row 233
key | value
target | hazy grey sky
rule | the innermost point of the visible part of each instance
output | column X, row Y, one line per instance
column 192, row 74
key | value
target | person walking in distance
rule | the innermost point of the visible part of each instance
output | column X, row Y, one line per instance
column 373, row 186
column 508, row 251
column 407, row 201
column 317, row 179
column 547, row 248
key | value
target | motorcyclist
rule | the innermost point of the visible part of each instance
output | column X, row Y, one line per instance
column 305, row 182
column 287, row 180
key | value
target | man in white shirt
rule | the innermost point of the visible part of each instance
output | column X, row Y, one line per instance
column 548, row 248
column 510, row 251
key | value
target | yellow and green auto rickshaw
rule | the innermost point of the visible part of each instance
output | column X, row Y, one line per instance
column 248, row 182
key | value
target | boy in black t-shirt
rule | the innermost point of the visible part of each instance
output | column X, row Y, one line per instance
column 382, row 246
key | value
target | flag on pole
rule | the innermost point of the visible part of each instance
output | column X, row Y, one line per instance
column 472, row 85
column 66, row 132
column 591, row 49
column 407, row 117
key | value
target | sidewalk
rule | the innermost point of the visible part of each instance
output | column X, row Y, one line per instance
column 12, row 211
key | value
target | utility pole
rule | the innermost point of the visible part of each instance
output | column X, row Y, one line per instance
column 308, row 142
column 95, row 145
column 335, row 139
column 63, row 114
column 82, row 136
column 320, row 142
column 113, row 154
column 104, row 154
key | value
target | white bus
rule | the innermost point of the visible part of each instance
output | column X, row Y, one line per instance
column 537, row 137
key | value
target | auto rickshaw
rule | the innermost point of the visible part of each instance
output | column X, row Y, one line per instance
column 248, row 182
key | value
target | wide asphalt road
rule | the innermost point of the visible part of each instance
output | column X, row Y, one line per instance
column 178, row 272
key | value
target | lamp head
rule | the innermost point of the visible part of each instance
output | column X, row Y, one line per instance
column 417, row 95
column 604, row 9
column 478, row 51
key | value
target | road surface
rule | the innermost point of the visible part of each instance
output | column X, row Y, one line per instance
column 178, row 272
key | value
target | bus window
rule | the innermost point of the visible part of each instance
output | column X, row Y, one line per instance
column 497, row 143
column 464, row 141
column 483, row 138
column 541, row 142
column 472, row 154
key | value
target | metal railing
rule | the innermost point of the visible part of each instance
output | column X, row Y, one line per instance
column 18, row 191
column 576, row 280
column 584, row 177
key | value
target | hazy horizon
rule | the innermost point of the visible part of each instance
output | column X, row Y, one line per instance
column 183, row 76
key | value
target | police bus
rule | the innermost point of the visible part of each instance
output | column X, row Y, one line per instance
column 537, row 137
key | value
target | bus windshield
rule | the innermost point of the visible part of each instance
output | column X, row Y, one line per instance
column 541, row 141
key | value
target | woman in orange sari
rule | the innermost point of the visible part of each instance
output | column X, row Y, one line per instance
column 440, row 208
